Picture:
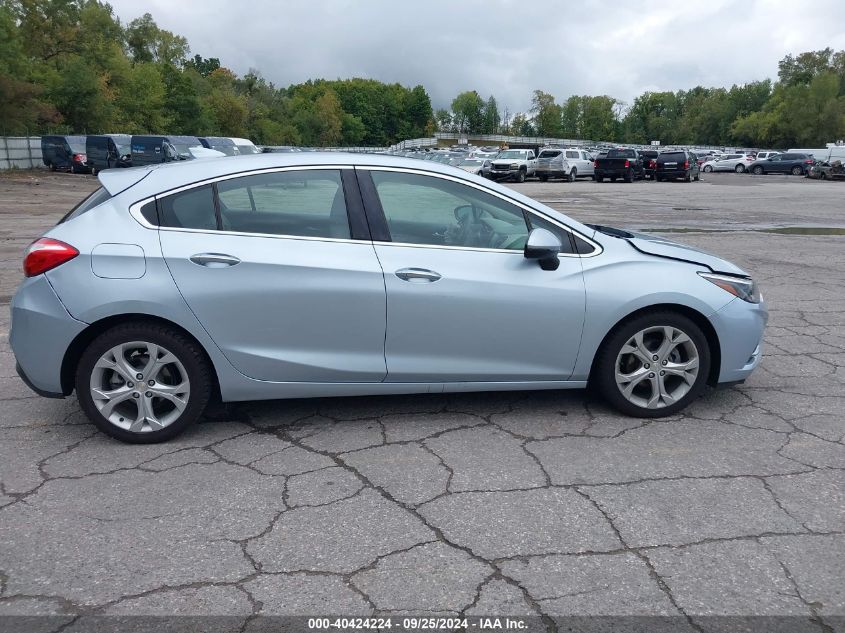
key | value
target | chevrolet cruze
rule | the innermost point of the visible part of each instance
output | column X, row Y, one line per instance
column 310, row 275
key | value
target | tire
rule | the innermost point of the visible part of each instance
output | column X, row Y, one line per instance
column 758, row 170
column 659, row 178
column 613, row 179
column 543, row 178
column 740, row 169
column 688, row 178
column 708, row 168
column 572, row 175
column 598, row 178
column 693, row 352
column 520, row 176
column 629, row 176
column 52, row 167
column 181, row 364
column 94, row 171
column 797, row 170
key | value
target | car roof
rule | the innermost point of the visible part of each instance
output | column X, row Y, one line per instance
column 139, row 183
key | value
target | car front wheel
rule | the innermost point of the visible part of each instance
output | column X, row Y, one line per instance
column 740, row 169
column 797, row 171
column 653, row 365
column 758, row 171
column 143, row 382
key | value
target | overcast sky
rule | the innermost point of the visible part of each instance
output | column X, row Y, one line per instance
column 507, row 48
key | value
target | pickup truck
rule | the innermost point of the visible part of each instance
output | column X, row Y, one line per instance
column 620, row 163
column 517, row 164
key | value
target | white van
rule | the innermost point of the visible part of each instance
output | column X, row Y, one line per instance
column 245, row 146
column 828, row 154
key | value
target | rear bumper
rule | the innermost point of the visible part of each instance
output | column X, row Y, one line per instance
column 40, row 334
column 672, row 173
column 739, row 326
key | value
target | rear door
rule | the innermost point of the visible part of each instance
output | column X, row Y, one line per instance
column 279, row 274
column 463, row 303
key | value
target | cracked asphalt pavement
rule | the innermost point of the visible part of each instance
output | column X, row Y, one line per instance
column 539, row 503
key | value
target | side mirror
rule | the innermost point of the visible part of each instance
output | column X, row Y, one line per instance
column 544, row 246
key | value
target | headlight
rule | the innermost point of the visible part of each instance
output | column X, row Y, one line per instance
column 742, row 287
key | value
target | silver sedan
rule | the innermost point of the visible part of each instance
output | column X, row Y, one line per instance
column 310, row 275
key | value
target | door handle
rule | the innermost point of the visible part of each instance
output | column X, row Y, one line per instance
column 214, row 260
column 417, row 275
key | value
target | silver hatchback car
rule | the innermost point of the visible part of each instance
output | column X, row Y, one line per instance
column 311, row 275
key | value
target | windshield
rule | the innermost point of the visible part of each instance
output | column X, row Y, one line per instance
column 621, row 153
column 513, row 153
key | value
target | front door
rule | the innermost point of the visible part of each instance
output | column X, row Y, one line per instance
column 463, row 303
column 275, row 278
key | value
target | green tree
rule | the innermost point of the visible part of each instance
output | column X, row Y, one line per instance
column 547, row 114
column 491, row 119
column 467, row 111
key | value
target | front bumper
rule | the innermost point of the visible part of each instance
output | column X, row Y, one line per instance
column 41, row 332
column 740, row 326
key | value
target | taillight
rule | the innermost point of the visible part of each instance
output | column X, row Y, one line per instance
column 627, row 163
column 808, row 162
column 749, row 158
column 595, row 164
column 45, row 254
column 686, row 164
column 652, row 164
column 79, row 158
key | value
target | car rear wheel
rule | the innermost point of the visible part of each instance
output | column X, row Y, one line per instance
column 572, row 175
column 543, row 178
column 740, row 169
column 143, row 383
column 708, row 168
column 598, row 178
column 653, row 365
column 797, row 171
column 758, row 170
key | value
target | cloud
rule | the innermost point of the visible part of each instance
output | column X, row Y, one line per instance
column 503, row 47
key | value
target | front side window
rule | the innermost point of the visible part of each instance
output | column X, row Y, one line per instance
column 572, row 154
column 435, row 211
column 308, row 203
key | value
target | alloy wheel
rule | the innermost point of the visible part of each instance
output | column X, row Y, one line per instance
column 657, row 367
column 140, row 386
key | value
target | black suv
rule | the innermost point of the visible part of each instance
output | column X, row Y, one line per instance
column 673, row 164
column 794, row 163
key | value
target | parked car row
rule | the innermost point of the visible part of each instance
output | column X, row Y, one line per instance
column 94, row 153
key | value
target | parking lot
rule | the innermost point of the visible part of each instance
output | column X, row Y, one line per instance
column 533, row 504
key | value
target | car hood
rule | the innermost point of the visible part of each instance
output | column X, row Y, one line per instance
column 661, row 247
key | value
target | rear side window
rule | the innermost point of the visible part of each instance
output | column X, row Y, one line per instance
column 94, row 200
column 308, row 203
column 572, row 154
column 191, row 209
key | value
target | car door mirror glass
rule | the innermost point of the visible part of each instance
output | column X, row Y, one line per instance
column 544, row 246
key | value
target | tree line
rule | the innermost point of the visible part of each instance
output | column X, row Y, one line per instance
column 805, row 107
column 71, row 66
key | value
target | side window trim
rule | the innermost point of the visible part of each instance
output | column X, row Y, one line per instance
column 381, row 234
column 351, row 193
